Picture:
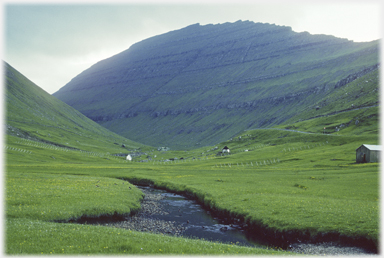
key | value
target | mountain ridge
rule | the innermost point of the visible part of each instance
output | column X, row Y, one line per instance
column 182, row 87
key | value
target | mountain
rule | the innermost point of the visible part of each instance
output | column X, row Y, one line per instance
column 34, row 115
column 201, row 85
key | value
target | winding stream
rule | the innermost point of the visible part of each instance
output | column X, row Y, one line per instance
column 195, row 221
column 174, row 214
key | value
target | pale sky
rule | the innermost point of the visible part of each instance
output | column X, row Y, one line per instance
column 52, row 42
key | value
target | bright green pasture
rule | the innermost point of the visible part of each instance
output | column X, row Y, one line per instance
column 25, row 236
column 34, row 199
column 280, row 179
column 41, row 192
column 48, row 197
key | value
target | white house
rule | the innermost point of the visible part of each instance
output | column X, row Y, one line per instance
column 129, row 157
column 225, row 150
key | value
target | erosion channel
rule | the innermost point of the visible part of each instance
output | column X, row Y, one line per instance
column 174, row 214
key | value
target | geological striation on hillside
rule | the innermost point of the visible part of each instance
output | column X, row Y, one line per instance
column 203, row 84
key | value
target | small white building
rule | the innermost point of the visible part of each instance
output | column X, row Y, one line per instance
column 368, row 153
column 225, row 150
column 129, row 157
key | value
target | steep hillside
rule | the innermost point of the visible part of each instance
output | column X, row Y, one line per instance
column 355, row 104
column 201, row 85
column 34, row 115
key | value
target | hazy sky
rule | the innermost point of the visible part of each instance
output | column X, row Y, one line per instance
column 52, row 42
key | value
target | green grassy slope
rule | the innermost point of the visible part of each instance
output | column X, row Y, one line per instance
column 360, row 94
column 283, row 182
column 33, row 114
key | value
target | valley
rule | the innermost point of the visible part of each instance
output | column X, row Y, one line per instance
column 290, row 178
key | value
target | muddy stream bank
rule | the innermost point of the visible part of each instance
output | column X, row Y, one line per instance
column 174, row 214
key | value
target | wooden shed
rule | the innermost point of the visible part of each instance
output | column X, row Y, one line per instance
column 368, row 153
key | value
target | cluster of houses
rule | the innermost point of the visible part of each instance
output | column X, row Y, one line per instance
column 366, row 153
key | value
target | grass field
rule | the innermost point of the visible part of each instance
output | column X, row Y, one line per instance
column 282, row 180
column 61, row 166
column 41, row 238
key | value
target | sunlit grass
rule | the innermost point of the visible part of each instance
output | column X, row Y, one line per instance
column 62, row 197
column 281, row 180
column 35, row 237
column 61, row 166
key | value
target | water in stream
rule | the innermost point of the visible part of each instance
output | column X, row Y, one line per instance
column 169, row 213
column 197, row 222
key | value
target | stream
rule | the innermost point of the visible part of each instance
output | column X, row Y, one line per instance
column 169, row 213
column 173, row 214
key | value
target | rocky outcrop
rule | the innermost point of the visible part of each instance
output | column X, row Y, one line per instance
column 249, row 105
column 352, row 77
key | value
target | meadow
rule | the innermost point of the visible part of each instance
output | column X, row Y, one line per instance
column 61, row 166
column 276, row 180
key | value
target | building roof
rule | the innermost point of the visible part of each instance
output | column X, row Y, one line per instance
column 372, row 147
column 225, row 148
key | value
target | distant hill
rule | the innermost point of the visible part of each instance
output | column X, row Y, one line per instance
column 33, row 114
column 201, row 85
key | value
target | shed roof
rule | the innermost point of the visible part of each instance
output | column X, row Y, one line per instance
column 372, row 147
